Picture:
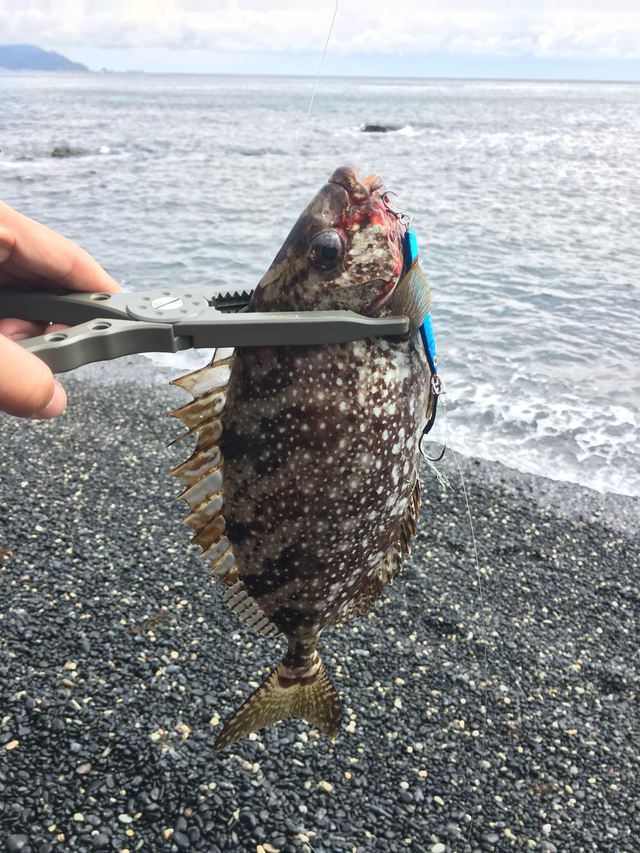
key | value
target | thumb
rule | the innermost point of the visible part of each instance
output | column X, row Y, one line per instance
column 27, row 386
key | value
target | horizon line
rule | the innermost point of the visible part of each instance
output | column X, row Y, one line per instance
column 312, row 76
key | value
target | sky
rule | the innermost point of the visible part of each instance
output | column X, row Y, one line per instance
column 534, row 39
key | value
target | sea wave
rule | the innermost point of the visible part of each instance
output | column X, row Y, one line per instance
column 562, row 437
column 401, row 130
column 521, row 196
column 257, row 152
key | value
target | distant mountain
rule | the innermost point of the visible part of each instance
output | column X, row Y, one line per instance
column 28, row 57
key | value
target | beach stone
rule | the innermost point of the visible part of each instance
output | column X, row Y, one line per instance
column 128, row 559
column 181, row 840
column 17, row 843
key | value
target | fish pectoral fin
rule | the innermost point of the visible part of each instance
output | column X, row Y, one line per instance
column 311, row 698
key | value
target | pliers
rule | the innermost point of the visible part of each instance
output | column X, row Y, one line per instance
column 116, row 324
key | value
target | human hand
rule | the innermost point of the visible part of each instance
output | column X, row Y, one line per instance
column 30, row 253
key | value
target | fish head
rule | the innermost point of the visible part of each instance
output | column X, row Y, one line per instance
column 345, row 252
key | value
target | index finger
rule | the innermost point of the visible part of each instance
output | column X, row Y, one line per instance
column 30, row 250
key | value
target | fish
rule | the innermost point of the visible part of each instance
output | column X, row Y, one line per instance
column 303, row 488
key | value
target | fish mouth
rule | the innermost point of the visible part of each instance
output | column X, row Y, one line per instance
column 374, row 307
column 388, row 287
column 357, row 190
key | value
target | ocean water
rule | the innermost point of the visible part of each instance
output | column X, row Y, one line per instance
column 524, row 197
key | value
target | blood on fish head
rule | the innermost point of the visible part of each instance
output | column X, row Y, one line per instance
column 344, row 252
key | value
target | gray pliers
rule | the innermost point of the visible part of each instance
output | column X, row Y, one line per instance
column 116, row 324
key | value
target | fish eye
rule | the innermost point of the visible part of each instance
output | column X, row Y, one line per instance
column 326, row 250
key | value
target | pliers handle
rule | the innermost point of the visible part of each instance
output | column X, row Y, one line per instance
column 116, row 324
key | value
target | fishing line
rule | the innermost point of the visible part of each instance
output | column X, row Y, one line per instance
column 320, row 67
column 284, row 812
column 274, row 795
column 488, row 621
column 222, row 616
column 245, row 762
column 476, row 559
column 467, row 504
column 474, row 543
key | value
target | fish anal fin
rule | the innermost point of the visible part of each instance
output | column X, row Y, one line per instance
column 408, row 524
column 364, row 599
column 309, row 697
column 248, row 610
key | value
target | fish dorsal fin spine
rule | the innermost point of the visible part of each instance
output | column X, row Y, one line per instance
column 203, row 477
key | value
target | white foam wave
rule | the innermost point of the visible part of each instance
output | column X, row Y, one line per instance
column 180, row 362
column 404, row 130
column 561, row 438
column 409, row 130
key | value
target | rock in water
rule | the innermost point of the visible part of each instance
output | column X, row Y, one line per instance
column 68, row 151
column 379, row 128
column 303, row 487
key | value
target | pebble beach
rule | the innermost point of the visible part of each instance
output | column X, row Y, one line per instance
column 488, row 707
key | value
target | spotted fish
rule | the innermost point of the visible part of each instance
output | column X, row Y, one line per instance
column 303, row 486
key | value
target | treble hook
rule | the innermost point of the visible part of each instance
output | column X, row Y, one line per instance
column 403, row 216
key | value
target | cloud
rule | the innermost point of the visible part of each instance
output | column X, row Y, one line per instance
column 594, row 28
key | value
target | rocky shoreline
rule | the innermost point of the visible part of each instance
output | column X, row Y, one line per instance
column 485, row 710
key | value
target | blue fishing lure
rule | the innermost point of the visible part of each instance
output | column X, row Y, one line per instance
column 426, row 329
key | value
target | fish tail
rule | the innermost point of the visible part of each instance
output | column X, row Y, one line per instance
column 309, row 695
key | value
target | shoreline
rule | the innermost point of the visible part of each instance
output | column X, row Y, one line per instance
column 484, row 711
column 575, row 499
